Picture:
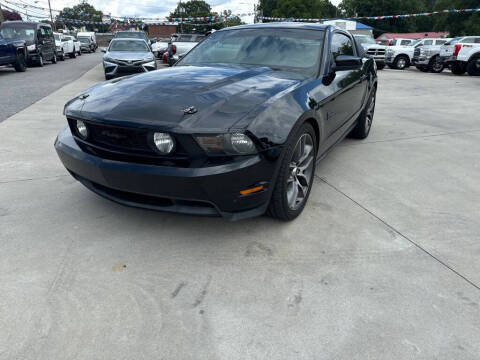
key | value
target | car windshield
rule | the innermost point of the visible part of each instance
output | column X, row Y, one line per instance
column 128, row 45
column 366, row 39
column 57, row 37
column 286, row 49
column 84, row 40
column 18, row 32
column 129, row 35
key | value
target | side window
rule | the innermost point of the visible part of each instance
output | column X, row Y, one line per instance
column 341, row 45
column 440, row 42
column 477, row 40
column 470, row 40
column 405, row 42
column 428, row 42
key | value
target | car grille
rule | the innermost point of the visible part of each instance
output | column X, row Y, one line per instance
column 416, row 52
column 130, row 69
column 134, row 145
column 129, row 62
column 376, row 52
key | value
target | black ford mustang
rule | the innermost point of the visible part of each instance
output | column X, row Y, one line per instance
column 235, row 128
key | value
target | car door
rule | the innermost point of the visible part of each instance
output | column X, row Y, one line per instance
column 4, row 51
column 348, row 86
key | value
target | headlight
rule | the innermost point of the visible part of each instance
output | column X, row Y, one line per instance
column 164, row 142
column 82, row 129
column 149, row 64
column 107, row 59
column 232, row 144
column 31, row 47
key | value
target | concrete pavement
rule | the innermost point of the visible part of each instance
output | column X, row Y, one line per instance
column 383, row 263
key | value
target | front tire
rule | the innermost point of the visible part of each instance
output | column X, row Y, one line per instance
column 436, row 66
column 54, row 59
column 40, row 62
column 365, row 120
column 473, row 66
column 20, row 65
column 73, row 55
column 296, row 174
column 401, row 63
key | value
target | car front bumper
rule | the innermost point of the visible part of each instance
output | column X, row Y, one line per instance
column 113, row 69
column 448, row 59
column 211, row 191
column 420, row 60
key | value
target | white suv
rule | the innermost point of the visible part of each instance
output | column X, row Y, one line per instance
column 463, row 55
column 400, row 56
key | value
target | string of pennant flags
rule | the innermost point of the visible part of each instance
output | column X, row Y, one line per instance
column 107, row 19
column 268, row 18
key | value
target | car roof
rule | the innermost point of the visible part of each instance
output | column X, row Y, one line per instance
column 128, row 39
column 282, row 25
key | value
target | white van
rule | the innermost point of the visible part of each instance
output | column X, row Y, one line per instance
column 90, row 35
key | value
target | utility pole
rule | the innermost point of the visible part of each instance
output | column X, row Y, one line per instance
column 51, row 16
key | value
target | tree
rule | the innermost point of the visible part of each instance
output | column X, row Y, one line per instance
column 10, row 15
column 84, row 12
column 199, row 8
column 192, row 8
column 458, row 24
column 298, row 8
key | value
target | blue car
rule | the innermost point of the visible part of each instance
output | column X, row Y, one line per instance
column 234, row 129
column 14, row 53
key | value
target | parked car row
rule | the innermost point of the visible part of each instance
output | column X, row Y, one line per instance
column 460, row 54
column 24, row 44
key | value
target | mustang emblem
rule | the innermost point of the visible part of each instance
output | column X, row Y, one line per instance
column 189, row 111
column 113, row 135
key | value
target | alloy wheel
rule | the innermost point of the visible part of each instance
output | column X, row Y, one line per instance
column 401, row 63
column 301, row 171
column 437, row 66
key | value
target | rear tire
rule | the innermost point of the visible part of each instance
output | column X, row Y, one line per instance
column 458, row 69
column 73, row 55
column 473, row 66
column 296, row 174
column 20, row 65
column 365, row 120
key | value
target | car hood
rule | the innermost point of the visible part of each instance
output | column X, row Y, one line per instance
column 218, row 97
column 127, row 55
column 373, row 46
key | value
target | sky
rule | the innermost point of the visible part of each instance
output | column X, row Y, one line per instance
column 151, row 8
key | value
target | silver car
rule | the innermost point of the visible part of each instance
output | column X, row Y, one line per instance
column 128, row 56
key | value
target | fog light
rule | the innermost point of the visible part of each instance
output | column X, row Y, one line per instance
column 242, row 143
column 164, row 142
column 82, row 129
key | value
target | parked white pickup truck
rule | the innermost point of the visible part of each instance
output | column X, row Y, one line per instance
column 462, row 55
column 400, row 56
column 372, row 49
column 64, row 46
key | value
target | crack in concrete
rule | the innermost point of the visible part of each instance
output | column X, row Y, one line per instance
column 410, row 138
column 33, row 179
column 384, row 222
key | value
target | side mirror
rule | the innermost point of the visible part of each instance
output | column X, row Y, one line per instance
column 104, row 50
column 347, row 62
